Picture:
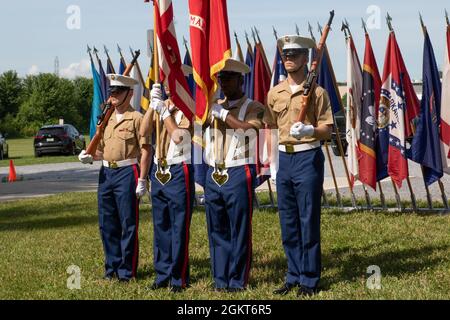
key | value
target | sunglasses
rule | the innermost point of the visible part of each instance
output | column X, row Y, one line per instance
column 117, row 89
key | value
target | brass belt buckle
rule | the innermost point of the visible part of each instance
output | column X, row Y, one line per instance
column 113, row 165
column 289, row 148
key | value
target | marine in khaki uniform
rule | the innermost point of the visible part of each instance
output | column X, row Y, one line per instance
column 121, row 181
column 172, row 191
column 230, row 180
column 300, row 176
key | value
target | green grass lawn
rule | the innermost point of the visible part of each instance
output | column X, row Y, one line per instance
column 41, row 238
column 21, row 151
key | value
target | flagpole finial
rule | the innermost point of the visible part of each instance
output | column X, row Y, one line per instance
column 389, row 22
column 297, row 30
column 95, row 50
column 319, row 27
column 347, row 26
column 446, row 18
column 424, row 28
column 345, row 29
column 253, row 35
column 89, row 49
column 275, row 34
column 311, row 32
column 106, row 49
column 364, row 26
column 119, row 49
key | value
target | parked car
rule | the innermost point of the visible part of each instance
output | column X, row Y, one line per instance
column 3, row 147
column 58, row 139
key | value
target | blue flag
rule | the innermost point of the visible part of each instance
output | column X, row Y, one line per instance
column 189, row 77
column 425, row 146
column 96, row 101
column 249, row 77
column 279, row 72
column 326, row 80
column 122, row 67
column 103, row 82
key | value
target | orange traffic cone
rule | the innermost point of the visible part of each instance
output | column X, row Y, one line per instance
column 12, row 172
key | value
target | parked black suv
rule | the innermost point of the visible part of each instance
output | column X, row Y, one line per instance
column 58, row 139
column 3, row 147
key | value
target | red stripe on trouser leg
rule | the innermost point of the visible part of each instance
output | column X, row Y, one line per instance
column 188, row 219
column 136, row 240
column 250, row 204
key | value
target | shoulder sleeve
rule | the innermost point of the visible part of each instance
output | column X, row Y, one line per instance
column 142, row 139
column 269, row 115
column 255, row 114
column 323, row 112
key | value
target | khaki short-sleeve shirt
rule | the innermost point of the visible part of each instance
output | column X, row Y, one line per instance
column 164, row 136
column 121, row 140
column 284, row 108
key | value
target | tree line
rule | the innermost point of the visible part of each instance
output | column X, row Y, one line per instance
column 28, row 103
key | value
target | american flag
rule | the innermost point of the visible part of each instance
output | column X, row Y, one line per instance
column 169, row 58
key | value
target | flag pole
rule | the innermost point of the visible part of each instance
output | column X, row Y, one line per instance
column 413, row 198
column 122, row 59
column 156, row 66
column 427, row 189
column 333, row 174
column 338, row 134
column 96, row 55
column 441, row 185
column 382, row 197
column 346, row 27
column 109, row 59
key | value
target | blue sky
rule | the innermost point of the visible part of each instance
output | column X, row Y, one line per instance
column 33, row 33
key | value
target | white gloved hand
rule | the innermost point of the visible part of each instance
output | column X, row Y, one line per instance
column 299, row 130
column 156, row 92
column 158, row 105
column 219, row 112
column 141, row 188
column 85, row 158
column 165, row 114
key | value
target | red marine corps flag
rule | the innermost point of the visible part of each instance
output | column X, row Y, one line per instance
column 169, row 58
column 210, row 47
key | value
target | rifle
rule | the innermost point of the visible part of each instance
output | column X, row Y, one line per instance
column 106, row 114
column 311, row 78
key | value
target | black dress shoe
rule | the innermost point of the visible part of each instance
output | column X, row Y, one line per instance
column 156, row 286
column 124, row 280
column 232, row 290
column 176, row 289
column 285, row 289
column 306, row 292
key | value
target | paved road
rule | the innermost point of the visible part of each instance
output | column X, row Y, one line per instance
column 43, row 180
